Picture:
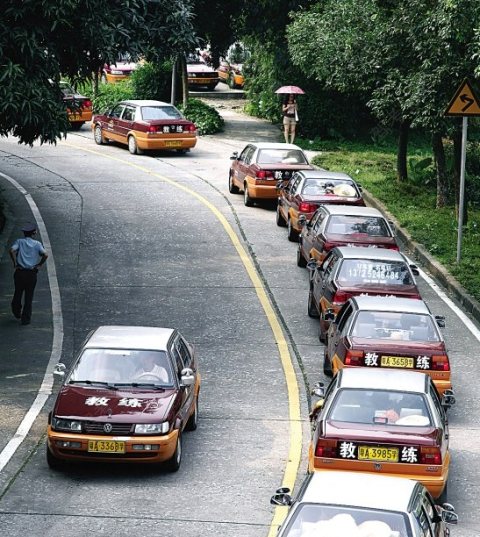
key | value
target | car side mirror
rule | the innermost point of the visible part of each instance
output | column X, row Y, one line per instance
column 59, row 370
column 187, row 377
column 234, row 156
column 448, row 399
column 302, row 220
column 329, row 315
column 448, row 514
column 312, row 265
column 414, row 270
column 319, row 390
column 282, row 498
column 440, row 320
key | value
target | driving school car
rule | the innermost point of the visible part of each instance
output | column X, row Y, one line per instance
column 145, row 125
column 342, row 225
column 129, row 396
column 260, row 166
column 199, row 74
column 388, row 332
column 350, row 271
column 382, row 421
column 79, row 107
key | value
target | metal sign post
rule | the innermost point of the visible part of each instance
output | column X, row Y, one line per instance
column 461, row 202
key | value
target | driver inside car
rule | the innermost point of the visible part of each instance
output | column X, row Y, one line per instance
column 149, row 369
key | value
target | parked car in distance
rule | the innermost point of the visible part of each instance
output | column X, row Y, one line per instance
column 145, row 125
column 388, row 332
column 307, row 190
column 231, row 74
column 79, row 107
column 120, row 70
column 129, row 396
column 260, row 166
column 199, row 74
column 343, row 225
column 349, row 271
column 351, row 504
column 382, row 421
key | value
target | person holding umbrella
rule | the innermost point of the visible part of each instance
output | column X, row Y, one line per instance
column 289, row 111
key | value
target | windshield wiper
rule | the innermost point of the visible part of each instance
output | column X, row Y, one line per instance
column 141, row 385
column 109, row 385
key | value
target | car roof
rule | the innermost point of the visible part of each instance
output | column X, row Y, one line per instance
column 384, row 379
column 324, row 174
column 268, row 145
column 381, row 254
column 352, row 210
column 144, row 102
column 130, row 337
column 360, row 490
column 390, row 303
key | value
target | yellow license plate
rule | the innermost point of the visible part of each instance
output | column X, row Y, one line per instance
column 397, row 361
column 368, row 453
column 173, row 143
column 106, row 446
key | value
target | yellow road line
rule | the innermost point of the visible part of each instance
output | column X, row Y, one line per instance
column 295, row 447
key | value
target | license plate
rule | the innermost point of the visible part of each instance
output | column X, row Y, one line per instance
column 106, row 446
column 368, row 453
column 201, row 80
column 173, row 143
column 397, row 361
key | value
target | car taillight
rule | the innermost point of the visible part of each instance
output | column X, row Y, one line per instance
column 262, row 174
column 354, row 358
column 440, row 362
column 305, row 207
column 340, row 298
column 430, row 455
column 152, row 128
column 87, row 103
column 327, row 246
column 326, row 448
column 191, row 128
column 392, row 247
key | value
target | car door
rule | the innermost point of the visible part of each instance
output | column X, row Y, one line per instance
column 240, row 166
column 435, row 397
column 125, row 123
column 337, row 333
column 178, row 366
column 283, row 203
column 317, row 239
column 320, row 275
column 308, row 232
column 291, row 201
column 112, row 122
column 427, row 517
column 326, row 286
column 186, row 361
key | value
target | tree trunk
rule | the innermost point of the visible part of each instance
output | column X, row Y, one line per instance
column 457, row 159
column 183, row 67
column 440, row 166
column 402, row 172
column 96, row 76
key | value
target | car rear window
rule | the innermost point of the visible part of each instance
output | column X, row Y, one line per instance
column 336, row 187
column 160, row 112
column 392, row 326
column 358, row 272
column 281, row 156
column 380, row 407
column 373, row 226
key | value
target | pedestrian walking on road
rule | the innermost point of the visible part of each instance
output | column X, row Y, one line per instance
column 290, row 117
column 27, row 255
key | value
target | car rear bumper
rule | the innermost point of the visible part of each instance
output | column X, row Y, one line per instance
column 265, row 192
column 203, row 81
column 165, row 450
column 80, row 117
column 162, row 142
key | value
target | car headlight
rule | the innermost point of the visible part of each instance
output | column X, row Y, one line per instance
column 115, row 72
column 61, row 424
column 152, row 428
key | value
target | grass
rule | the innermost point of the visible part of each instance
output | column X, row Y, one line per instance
column 412, row 203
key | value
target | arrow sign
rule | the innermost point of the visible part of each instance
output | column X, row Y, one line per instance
column 464, row 102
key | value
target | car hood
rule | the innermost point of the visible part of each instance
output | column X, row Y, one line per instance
column 122, row 405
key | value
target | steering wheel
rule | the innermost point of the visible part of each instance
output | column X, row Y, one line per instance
column 149, row 376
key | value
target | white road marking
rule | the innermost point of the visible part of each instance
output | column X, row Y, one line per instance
column 47, row 383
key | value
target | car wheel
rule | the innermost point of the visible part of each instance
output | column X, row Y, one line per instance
column 232, row 188
column 292, row 234
column 443, row 496
column 247, row 200
column 98, row 135
column 327, row 366
column 312, row 310
column 174, row 463
column 53, row 462
column 192, row 422
column 133, row 146
column 76, row 125
column 280, row 220
column 301, row 261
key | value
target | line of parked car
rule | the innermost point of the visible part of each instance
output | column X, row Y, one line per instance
column 383, row 417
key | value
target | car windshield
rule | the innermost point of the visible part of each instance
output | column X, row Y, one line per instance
column 358, row 272
column 160, row 112
column 380, row 407
column 314, row 519
column 123, row 366
column 334, row 187
column 373, row 226
column 281, row 156
column 396, row 326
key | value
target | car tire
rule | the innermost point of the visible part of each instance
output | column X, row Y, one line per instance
column 232, row 188
column 192, row 422
column 174, row 463
column 133, row 146
column 322, row 336
column 247, row 200
column 443, row 498
column 280, row 220
column 98, row 135
column 327, row 366
column 292, row 234
column 183, row 151
column 53, row 462
column 312, row 310
column 301, row 261
column 77, row 125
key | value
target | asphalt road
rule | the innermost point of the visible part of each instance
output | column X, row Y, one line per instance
column 129, row 246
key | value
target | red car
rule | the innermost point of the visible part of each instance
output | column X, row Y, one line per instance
column 343, row 225
column 309, row 189
column 350, row 271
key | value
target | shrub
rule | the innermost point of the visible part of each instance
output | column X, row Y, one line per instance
column 152, row 81
column 110, row 94
column 206, row 118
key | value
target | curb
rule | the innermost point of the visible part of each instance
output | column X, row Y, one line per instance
column 438, row 271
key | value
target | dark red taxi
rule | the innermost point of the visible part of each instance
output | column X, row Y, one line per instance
column 350, row 271
column 199, row 74
column 260, row 166
column 343, row 225
column 129, row 396
column 79, row 107
column 309, row 189
column 145, row 125
column 388, row 422
column 388, row 332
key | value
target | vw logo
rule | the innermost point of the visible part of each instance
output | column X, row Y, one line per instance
column 377, row 466
column 108, row 427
